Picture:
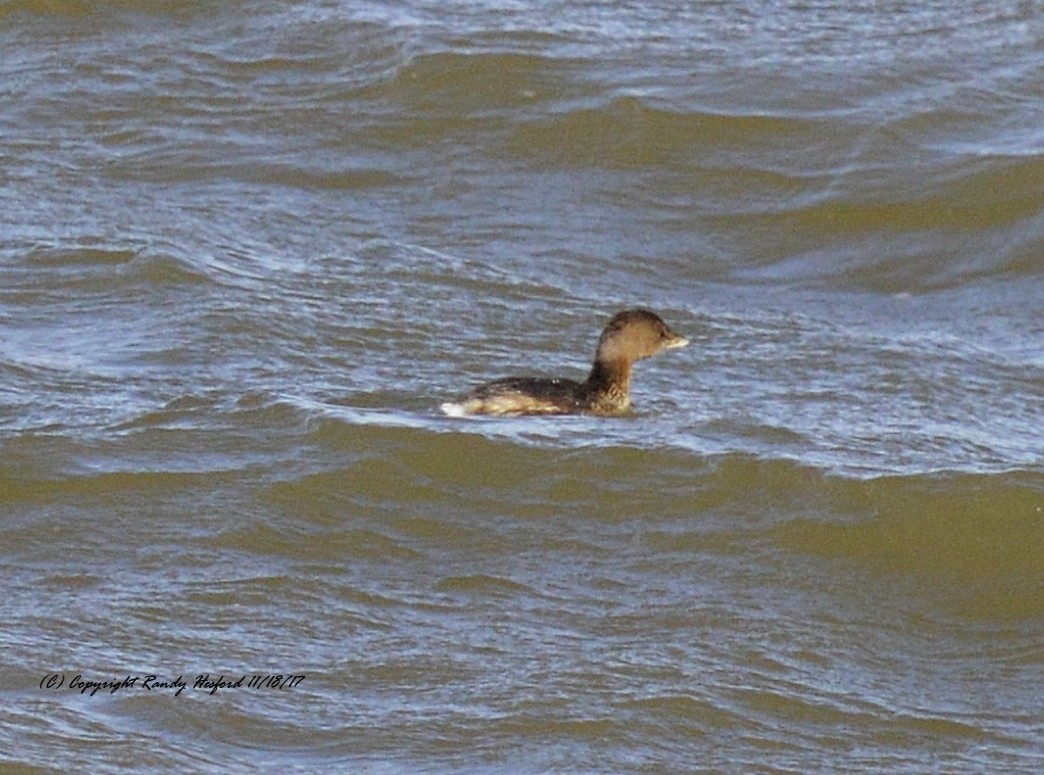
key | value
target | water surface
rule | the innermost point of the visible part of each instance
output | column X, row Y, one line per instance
column 247, row 250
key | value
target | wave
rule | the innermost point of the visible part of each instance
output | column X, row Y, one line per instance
column 479, row 83
column 950, row 525
column 107, row 9
column 902, row 185
column 628, row 132
column 87, row 268
column 549, row 474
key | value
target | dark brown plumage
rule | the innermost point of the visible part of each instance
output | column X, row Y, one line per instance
column 630, row 336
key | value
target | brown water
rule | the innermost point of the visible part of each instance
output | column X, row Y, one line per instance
column 248, row 249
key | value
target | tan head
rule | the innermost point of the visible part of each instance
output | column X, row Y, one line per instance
column 635, row 334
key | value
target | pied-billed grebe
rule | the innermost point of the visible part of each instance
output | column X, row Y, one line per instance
column 630, row 336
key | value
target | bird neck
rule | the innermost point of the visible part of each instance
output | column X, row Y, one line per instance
column 613, row 376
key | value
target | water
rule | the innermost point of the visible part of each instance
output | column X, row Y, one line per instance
column 247, row 250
